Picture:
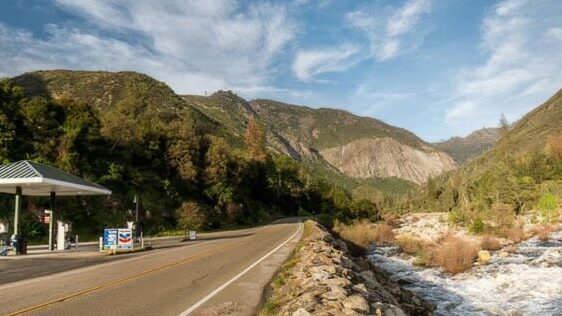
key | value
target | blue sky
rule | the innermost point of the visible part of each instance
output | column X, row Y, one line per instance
column 437, row 68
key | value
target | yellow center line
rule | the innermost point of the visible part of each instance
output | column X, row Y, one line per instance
column 120, row 281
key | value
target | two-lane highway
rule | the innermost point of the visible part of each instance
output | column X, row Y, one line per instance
column 224, row 275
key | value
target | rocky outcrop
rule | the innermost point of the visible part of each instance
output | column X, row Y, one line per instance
column 323, row 279
column 386, row 157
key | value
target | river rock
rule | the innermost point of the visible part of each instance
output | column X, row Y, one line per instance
column 484, row 256
column 336, row 293
column 382, row 309
column 504, row 254
column 301, row 312
column 337, row 281
column 356, row 303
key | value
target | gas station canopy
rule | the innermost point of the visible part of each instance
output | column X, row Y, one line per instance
column 36, row 179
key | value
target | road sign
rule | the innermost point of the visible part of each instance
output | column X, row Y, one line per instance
column 46, row 217
column 125, row 240
column 110, row 238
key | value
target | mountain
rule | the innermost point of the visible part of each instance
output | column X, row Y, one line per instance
column 462, row 149
column 331, row 140
column 113, row 91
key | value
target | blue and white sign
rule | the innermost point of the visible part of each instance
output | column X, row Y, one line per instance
column 125, row 240
column 110, row 238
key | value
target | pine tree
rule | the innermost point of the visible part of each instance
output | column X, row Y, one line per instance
column 503, row 125
column 255, row 140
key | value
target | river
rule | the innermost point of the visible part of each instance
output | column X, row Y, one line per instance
column 529, row 282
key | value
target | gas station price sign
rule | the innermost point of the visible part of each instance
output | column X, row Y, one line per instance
column 110, row 238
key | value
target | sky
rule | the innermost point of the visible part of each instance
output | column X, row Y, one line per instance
column 438, row 68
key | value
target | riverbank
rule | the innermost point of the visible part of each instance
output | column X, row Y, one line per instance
column 323, row 278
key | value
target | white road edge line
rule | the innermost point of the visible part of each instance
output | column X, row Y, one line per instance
column 222, row 287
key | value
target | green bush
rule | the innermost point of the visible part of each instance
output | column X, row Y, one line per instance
column 326, row 220
column 548, row 207
column 458, row 217
column 477, row 227
column 303, row 213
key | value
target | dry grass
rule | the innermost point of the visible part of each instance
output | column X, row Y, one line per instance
column 410, row 244
column 490, row 243
column 542, row 232
column 384, row 234
column 452, row 253
column 514, row 232
column 391, row 219
column 365, row 233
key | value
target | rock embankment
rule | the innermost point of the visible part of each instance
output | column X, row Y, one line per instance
column 324, row 279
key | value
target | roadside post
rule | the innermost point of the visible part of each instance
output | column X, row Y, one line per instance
column 48, row 219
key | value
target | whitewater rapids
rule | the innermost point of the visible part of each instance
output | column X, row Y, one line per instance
column 528, row 282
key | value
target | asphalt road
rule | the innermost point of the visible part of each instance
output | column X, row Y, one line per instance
column 222, row 275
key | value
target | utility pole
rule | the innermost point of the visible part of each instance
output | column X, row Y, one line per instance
column 136, row 201
column 51, row 220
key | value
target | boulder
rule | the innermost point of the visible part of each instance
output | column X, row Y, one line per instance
column 336, row 293
column 484, row 257
column 357, row 303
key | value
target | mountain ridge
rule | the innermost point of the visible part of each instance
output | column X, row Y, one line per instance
column 462, row 149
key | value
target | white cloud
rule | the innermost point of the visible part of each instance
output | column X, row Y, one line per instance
column 522, row 43
column 310, row 63
column 391, row 32
column 192, row 45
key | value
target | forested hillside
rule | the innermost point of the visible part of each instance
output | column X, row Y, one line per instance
column 521, row 173
column 133, row 135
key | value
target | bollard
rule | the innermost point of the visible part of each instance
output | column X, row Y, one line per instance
column 101, row 244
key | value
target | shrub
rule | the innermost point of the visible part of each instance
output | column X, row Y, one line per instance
column 477, row 227
column 190, row 216
column 452, row 253
column 543, row 232
column 458, row 217
column 384, row 234
column 391, row 219
column 490, row 243
column 303, row 213
column 548, row 208
column 514, row 233
column 410, row 244
column 326, row 220
column 360, row 233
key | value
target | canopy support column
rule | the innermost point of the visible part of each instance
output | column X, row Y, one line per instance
column 17, row 210
column 51, row 220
